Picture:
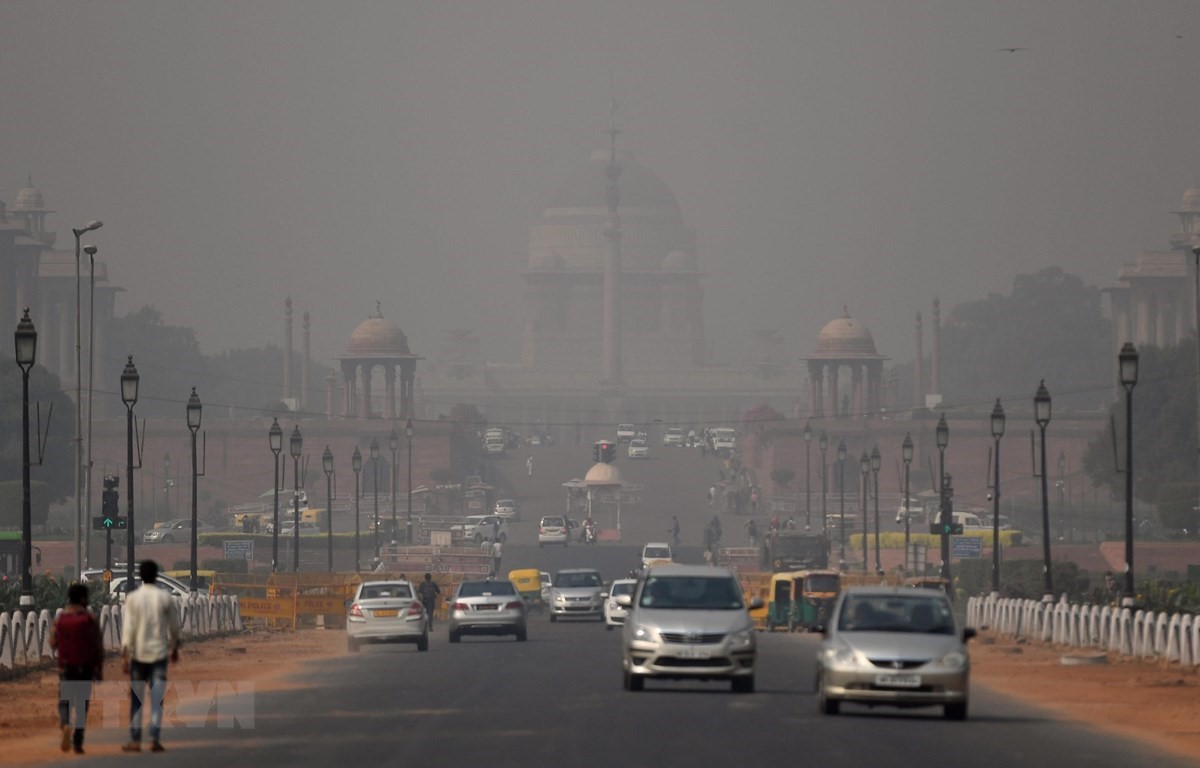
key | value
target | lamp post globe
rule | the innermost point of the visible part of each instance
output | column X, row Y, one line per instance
column 130, row 381
column 1041, row 414
column 296, row 448
column 25, row 344
column 356, row 465
column 1127, row 361
column 194, row 412
column 275, row 436
column 997, row 422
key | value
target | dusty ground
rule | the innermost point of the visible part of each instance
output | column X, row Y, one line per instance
column 1153, row 702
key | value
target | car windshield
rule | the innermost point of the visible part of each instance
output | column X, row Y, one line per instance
column 573, row 580
column 896, row 613
column 691, row 593
column 486, row 588
column 558, row 521
column 657, row 552
column 375, row 591
column 622, row 589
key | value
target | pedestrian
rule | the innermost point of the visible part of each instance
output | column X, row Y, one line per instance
column 497, row 555
column 428, row 592
column 75, row 637
column 712, row 494
column 529, row 465
column 150, row 636
column 790, row 524
column 675, row 529
column 716, row 527
column 751, row 531
column 708, row 555
column 495, row 529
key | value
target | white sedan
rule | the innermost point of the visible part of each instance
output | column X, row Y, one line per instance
column 386, row 612
column 615, row 613
column 638, row 449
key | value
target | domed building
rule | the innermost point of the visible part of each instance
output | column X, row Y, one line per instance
column 378, row 343
column 844, row 343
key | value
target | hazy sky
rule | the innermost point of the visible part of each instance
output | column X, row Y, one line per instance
column 872, row 154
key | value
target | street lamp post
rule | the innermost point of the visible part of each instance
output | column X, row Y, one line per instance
column 997, row 433
column 375, row 467
column 807, row 475
column 1128, row 359
column 356, row 465
column 408, row 527
column 194, row 409
column 81, row 487
column 25, row 339
column 1041, row 414
column 864, row 463
column 906, row 452
column 327, row 465
column 296, row 446
column 841, row 456
column 90, row 250
column 1063, row 523
column 876, row 462
column 942, row 434
column 129, row 395
column 823, row 445
column 275, row 435
column 393, row 443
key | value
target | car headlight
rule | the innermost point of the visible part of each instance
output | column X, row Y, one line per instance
column 952, row 660
column 642, row 633
column 743, row 638
column 558, row 598
column 840, row 655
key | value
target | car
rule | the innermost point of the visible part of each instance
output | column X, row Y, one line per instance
column 116, row 586
column 480, row 528
column 507, row 509
column 577, row 592
column 614, row 612
column 173, row 531
column 673, row 436
column 386, row 612
column 288, row 528
column 638, row 449
column 626, row 432
column 554, row 529
column 895, row 646
column 547, row 585
column 488, row 607
column 656, row 553
column 688, row 622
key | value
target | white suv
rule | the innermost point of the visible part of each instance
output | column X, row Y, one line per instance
column 626, row 432
column 480, row 528
column 674, row 436
column 554, row 529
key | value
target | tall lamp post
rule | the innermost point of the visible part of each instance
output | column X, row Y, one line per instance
column 1041, row 414
column 393, row 443
column 807, row 475
column 841, row 456
column 275, row 435
column 942, row 434
column 296, row 446
column 823, row 445
column 375, row 467
column 876, row 462
column 129, row 395
column 90, row 250
column 906, row 452
column 25, row 339
column 356, row 465
column 194, row 409
column 1063, row 524
column 997, row 433
column 327, row 465
column 1128, row 359
column 81, row 486
column 864, row 464
column 408, row 527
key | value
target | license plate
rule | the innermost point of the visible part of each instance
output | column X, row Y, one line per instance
column 898, row 681
column 694, row 653
column 487, row 607
column 383, row 613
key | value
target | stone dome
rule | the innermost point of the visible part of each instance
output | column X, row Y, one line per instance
column 640, row 187
column 29, row 198
column 376, row 337
column 845, row 337
column 1191, row 200
column 602, row 474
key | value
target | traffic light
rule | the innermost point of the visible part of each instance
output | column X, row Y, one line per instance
column 110, row 511
column 604, row 451
column 597, row 452
column 949, row 529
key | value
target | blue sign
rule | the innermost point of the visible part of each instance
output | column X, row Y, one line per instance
column 966, row 547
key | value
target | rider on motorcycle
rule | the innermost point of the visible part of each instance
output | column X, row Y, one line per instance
column 589, row 530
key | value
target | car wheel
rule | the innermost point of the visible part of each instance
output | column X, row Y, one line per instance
column 553, row 618
column 826, row 705
column 634, row 682
column 423, row 642
column 743, row 684
column 454, row 636
column 521, row 635
column 352, row 645
column 167, row 539
column 956, row 711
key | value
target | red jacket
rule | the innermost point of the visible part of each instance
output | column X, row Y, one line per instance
column 78, row 640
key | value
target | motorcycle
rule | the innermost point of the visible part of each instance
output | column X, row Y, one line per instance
column 589, row 534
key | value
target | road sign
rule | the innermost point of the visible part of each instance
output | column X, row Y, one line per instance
column 239, row 549
column 106, row 523
column 966, row 547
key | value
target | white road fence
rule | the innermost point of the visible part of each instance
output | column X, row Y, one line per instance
column 25, row 637
column 1141, row 634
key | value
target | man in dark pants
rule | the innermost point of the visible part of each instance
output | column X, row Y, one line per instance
column 75, row 637
column 428, row 592
column 150, row 636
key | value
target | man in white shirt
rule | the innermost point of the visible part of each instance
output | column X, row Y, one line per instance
column 497, row 554
column 150, row 635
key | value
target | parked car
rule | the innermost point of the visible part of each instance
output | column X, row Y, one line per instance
column 577, row 592
column 673, row 436
column 614, row 612
column 116, row 586
column 480, row 528
column 894, row 646
column 554, row 529
column 173, row 531
column 386, row 612
column 490, row 607
column 638, row 449
column 688, row 622
column 508, row 509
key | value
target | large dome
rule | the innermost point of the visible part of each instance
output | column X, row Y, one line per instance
column 376, row 337
column 640, row 187
column 602, row 474
column 29, row 198
column 845, row 337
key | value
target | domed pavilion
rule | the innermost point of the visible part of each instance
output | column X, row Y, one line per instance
column 845, row 343
column 376, row 342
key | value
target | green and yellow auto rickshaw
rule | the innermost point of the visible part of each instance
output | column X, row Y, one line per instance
column 813, row 594
column 779, row 601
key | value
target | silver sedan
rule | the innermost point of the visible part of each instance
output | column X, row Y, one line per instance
column 894, row 646
column 486, row 608
column 386, row 612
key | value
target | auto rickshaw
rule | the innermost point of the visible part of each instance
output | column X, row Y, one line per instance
column 813, row 594
column 528, row 582
column 779, row 600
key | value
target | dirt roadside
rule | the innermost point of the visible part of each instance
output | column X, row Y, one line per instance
column 1148, row 701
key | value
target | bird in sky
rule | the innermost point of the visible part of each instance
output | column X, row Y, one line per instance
column 1010, row 50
